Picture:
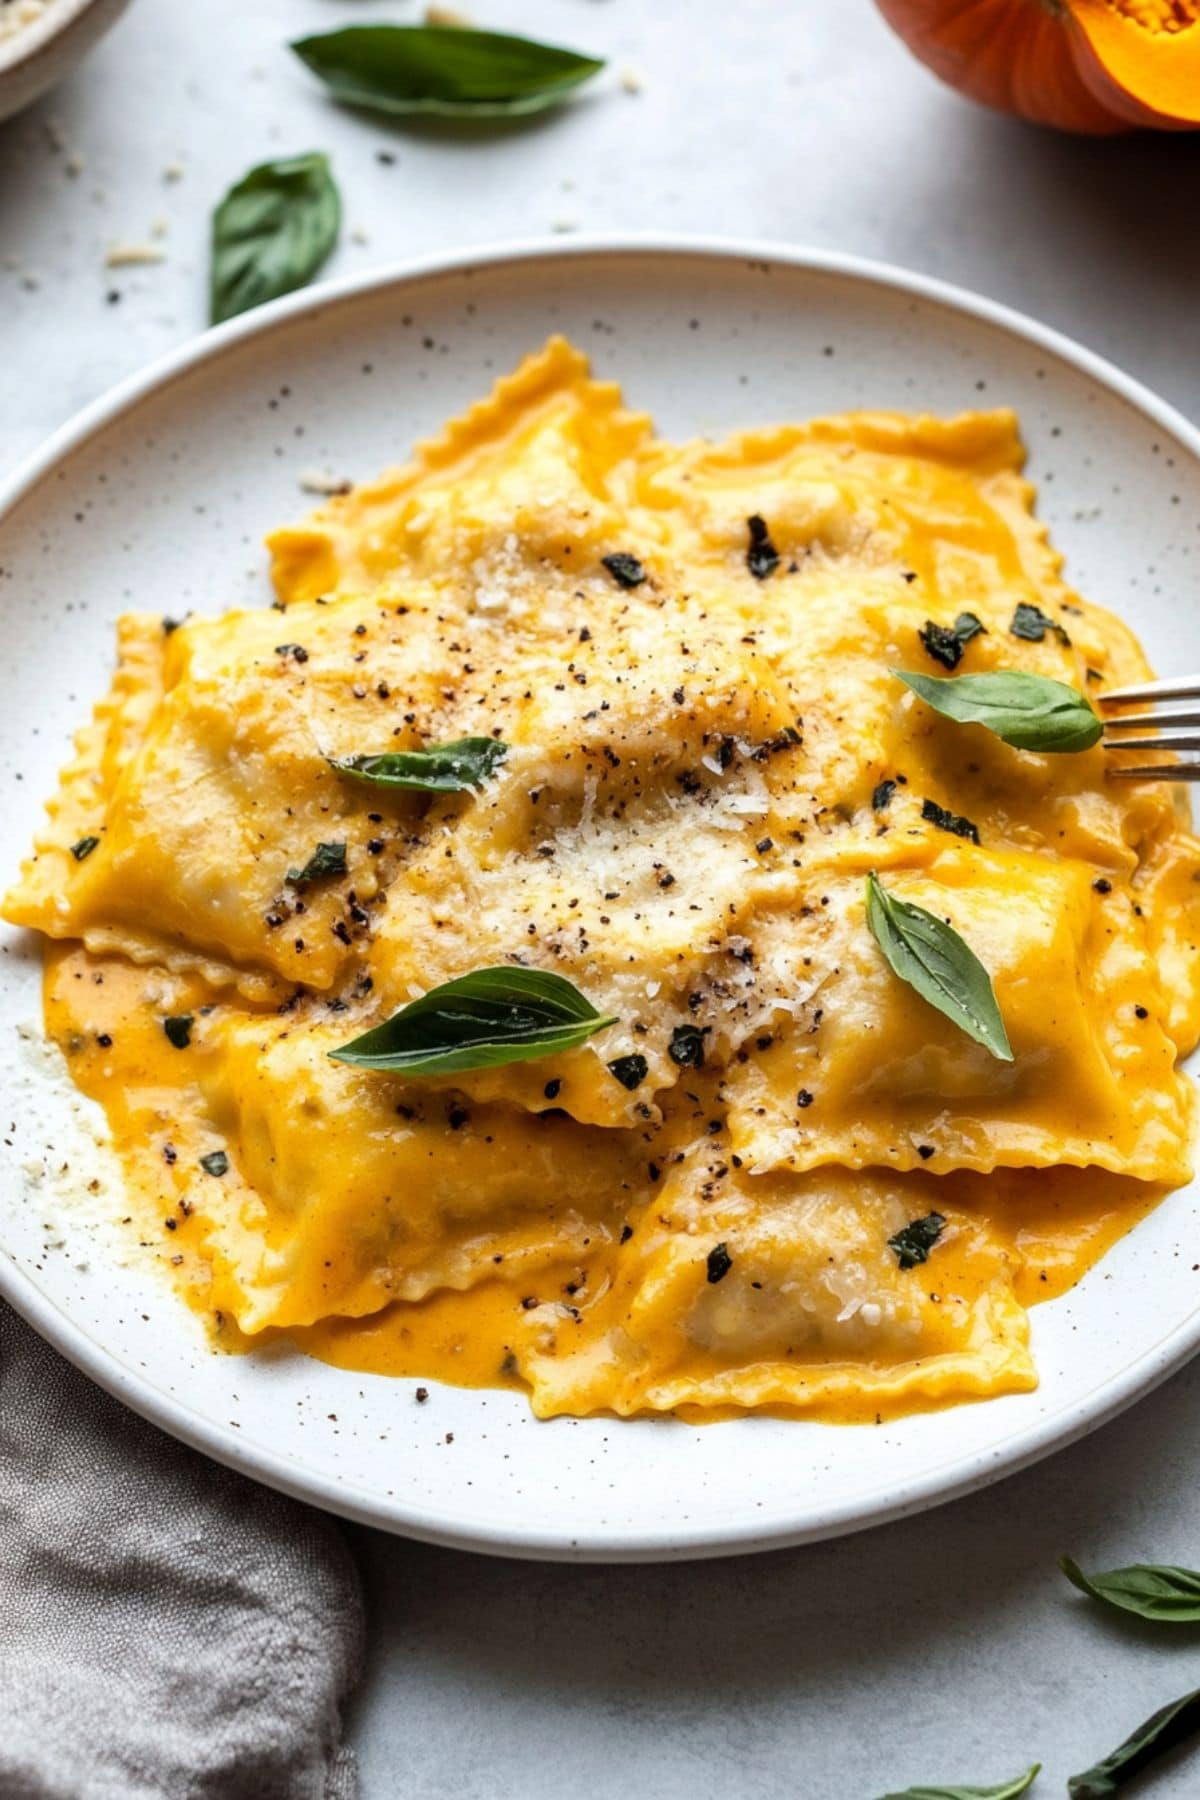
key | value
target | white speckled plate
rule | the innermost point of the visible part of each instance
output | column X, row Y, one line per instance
column 158, row 496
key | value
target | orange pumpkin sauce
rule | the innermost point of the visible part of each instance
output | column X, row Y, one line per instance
column 120, row 1056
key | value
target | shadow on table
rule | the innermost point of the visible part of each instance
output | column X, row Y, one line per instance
column 853, row 1613
column 1099, row 229
column 1123, row 195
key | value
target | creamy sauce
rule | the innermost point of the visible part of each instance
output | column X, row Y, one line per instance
column 705, row 757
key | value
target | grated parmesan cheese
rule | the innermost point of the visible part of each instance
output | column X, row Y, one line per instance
column 17, row 15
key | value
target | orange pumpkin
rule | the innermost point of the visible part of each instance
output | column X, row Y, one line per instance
column 1084, row 65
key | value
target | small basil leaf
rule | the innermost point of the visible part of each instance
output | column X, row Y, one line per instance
column 272, row 232
column 1030, row 712
column 1167, row 1595
column 479, row 1021
column 446, row 69
column 1162, row 1731
column 1008, row 1790
column 931, row 957
column 441, row 769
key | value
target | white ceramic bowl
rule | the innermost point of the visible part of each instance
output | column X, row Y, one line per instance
column 158, row 496
column 41, row 53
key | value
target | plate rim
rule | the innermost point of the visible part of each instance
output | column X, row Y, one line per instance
column 965, row 1473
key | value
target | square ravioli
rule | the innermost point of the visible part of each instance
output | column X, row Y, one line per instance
column 613, row 728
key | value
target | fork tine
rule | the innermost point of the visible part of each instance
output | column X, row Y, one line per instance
column 1164, row 741
column 1186, row 687
column 1173, row 772
column 1154, row 721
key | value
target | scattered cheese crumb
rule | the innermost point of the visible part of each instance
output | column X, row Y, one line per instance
column 124, row 256
column 17, row 14
column 631, row 81
column 359, row 236
column 323, row 481
column 561, row 225
column 173, row 172
column 446, row 15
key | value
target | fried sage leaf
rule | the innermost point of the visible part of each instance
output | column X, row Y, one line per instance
column 479, row 1021
column 440, row 769
column 946, row 643
column 443, row 69
column 1008, row 1790
column 913, row 1242
column 272, row 232
column 931, row 957
column 326, row 859
column 1162, row 1731
column 1155, row 1591
column 1030, row 712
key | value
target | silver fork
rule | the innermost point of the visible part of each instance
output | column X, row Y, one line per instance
column 1176, row 729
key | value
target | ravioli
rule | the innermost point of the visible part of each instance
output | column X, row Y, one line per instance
column 684, row 656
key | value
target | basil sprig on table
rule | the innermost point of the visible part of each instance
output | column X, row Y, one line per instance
column 931, row 957
column 1164, row 1730
column 479, row 1021
column 272, row 232
column 440, row 769
column 1008, row 1790
column 443, row 69
column 1030, row 712
column 1158, row 1592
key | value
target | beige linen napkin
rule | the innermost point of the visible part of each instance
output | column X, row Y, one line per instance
column 167, row 1628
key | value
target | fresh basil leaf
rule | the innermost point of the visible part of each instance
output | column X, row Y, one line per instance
column 1030, row 712
column 441, row 769
column 326, row 859
column 445, row 69
column 1008, row 1790
column 479, row 1021
column 272, row 232
column 913, row 1242
column 1167, row 1595
column 1162, row 1731
column 931, row 957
